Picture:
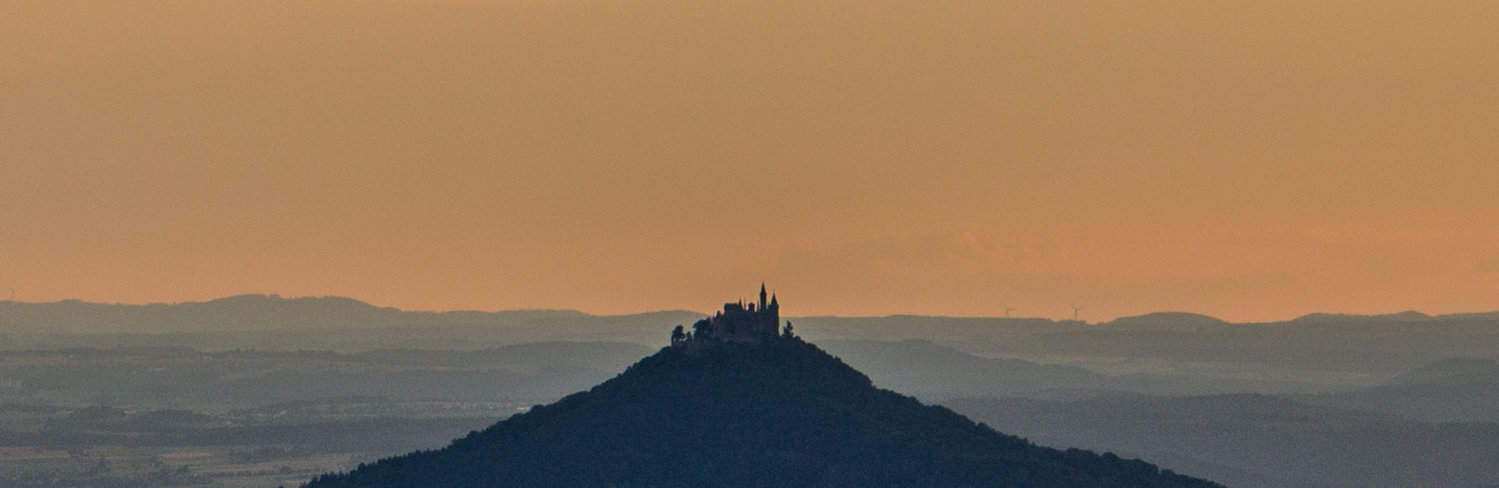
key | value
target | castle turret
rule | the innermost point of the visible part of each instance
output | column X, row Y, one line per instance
column 763, row 303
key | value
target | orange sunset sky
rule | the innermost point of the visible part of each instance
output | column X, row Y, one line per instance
column 1249, row 160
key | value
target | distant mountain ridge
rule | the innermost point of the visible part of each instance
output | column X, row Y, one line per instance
column 1451, row 371
column 171, row 378
column 944, row 372
column 1325, row 345
column 1406, row 316
column 259, row 312
column 1448, row 390
column 779, row 413
column 272, row 312
column 1257, row 441
column 1167, row 321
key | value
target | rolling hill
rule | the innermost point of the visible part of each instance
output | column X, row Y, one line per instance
column 780, row 413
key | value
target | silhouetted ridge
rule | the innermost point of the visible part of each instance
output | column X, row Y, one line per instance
column 1451, row 371
column 1168, row 321
column 1406, row 316
column 776, row 413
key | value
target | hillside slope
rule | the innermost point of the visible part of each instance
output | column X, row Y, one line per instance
column 782, row 413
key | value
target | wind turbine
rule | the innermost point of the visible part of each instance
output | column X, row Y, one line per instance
column 1075, row 310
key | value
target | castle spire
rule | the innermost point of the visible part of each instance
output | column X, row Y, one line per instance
column 763, row 303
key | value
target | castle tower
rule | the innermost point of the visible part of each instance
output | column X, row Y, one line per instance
column 763, row 303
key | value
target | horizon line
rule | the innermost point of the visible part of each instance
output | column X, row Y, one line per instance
column 278, row 296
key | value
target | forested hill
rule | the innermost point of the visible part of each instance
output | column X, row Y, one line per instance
column 782, row 413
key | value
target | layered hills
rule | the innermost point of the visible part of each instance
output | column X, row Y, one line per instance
column 1257, row 441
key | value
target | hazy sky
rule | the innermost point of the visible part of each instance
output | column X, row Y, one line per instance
column 1251, row 160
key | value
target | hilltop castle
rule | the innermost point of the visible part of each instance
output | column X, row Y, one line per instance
column 737, row 322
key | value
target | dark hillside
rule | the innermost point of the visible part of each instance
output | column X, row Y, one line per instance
column 780, row 413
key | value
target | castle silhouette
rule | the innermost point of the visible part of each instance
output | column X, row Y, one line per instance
column 737, row 322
